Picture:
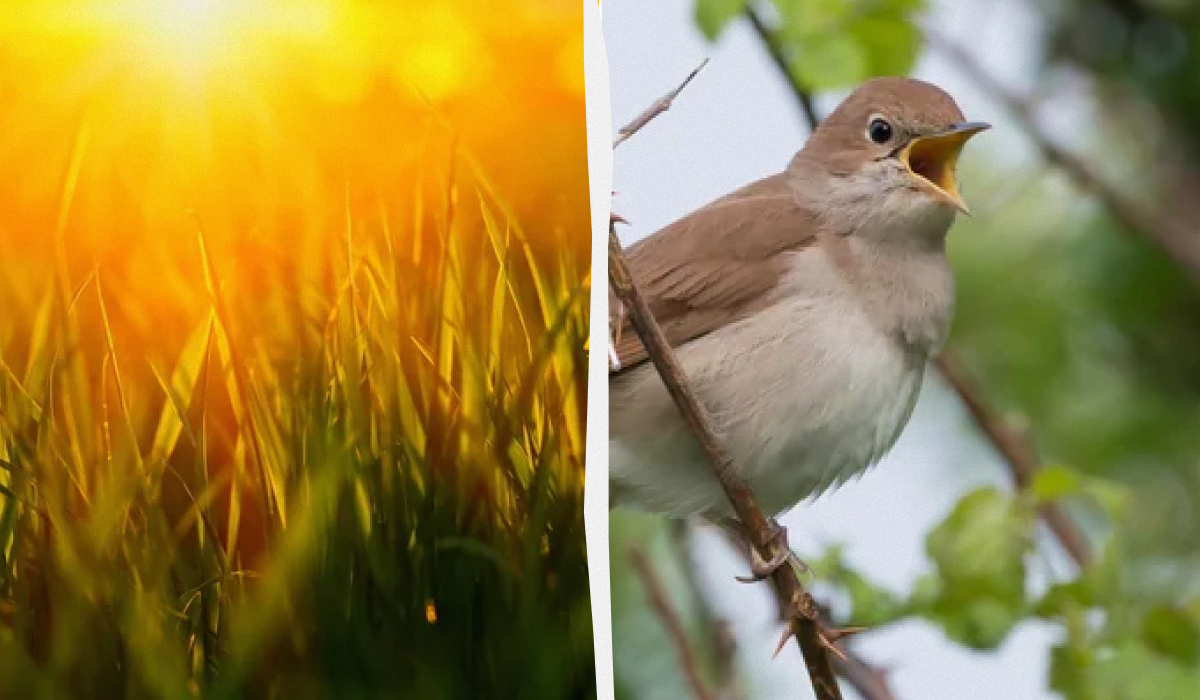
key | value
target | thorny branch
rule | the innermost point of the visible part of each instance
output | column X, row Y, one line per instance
column 803, row 622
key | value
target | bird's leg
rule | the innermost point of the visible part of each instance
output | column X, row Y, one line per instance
column 802, row 607
column 761, row 569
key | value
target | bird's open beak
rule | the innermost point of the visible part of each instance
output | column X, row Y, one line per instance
column 932, row 158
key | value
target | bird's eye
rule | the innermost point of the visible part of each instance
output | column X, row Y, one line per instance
column 879, row 130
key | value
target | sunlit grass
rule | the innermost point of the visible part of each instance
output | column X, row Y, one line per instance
column 292, row 372
column 398, row 501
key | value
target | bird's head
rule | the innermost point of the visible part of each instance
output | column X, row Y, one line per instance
column 889, row 150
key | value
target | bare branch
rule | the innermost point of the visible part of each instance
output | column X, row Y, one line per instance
column 1017, row 453
column 802, row 617
column 716, row 630
column 870, row 682
column 1175, row 240
column 661, row 105
column 666, row 613
column 775, row 48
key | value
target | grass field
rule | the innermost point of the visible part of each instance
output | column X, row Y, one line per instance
column 292, row 382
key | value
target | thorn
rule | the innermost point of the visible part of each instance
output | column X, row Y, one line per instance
column 837, row 635
column 830, row 647
column 787, row 635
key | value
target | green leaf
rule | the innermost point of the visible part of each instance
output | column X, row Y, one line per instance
column 870, row 605
column 1113, row 498
column 1132, row 672
column 829, row 61
column 983, row 542
column 803, row 19
column 1052, row 483
column 979, row 552
column 835, row 44
column 1067, row 676
column 1063, row 597
column 1172, row 632
column 713, row 15
column 891, row 44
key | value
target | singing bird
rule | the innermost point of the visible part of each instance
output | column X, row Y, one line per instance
column 803, row 309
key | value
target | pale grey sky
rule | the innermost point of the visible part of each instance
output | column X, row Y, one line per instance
column 738, row 122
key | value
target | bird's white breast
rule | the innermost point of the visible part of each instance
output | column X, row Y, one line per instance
column 806, row 394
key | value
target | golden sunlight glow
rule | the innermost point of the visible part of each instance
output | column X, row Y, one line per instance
column 189, row 38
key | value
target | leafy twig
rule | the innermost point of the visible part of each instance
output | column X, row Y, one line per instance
column 1018, row 454
column 774, row 47
column 802, row 610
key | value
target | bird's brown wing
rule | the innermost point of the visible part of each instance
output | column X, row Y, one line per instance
column 713, row 266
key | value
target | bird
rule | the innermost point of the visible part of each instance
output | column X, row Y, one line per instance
column 803, row 308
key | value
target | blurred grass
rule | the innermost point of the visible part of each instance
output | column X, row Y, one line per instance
column 377, row 494
column 293, row 316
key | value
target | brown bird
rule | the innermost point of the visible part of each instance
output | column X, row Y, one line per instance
column 803, row 308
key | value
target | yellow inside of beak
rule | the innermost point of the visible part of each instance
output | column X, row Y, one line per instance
column 933, row 159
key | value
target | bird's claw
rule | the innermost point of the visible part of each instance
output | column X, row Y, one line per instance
column 761, row 569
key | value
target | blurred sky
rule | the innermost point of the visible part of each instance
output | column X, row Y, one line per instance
column 738, row 122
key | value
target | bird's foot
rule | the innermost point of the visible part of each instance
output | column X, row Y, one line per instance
column 760, row 568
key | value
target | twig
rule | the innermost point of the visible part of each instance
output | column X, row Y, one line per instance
column 725, row 644
column 715, row 629
column 666, row 613
column 661, row 105
column 1017, row 453
column 775, row 48
column 870, row 682
column 802, row 617
column 1177, row 241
